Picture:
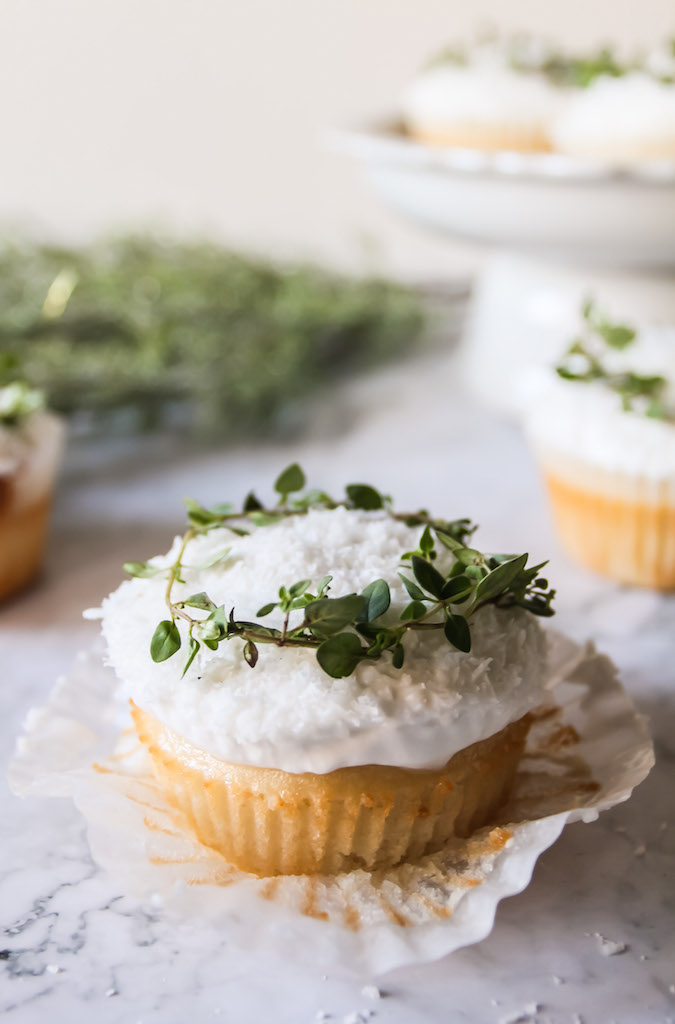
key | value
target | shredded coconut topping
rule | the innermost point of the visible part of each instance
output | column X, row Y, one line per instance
column 286, row 712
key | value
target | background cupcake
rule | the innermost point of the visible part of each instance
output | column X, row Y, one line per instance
column 626, row 117
column 31, row 440
column 603, row 429
column 491, row 96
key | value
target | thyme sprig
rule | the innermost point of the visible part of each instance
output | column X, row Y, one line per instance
column 584, row 360
column 351, row 628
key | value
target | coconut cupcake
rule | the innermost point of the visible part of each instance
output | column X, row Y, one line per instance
column 625, row 118
column 492, row 96
column 603, row 429
column 31, row 441
column 329, row 685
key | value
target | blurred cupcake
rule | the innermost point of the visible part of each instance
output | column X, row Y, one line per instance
column 31, row 441
column 491, row 96
column 343, row 732
column 626, row 118
column 604, row 433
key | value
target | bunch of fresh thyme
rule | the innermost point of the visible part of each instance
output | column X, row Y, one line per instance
column 583, row 361
column 348, row 629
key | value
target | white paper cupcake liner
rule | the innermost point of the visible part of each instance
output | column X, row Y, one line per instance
column 586, row 752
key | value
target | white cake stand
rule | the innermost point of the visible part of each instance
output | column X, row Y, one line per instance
column 560, row 229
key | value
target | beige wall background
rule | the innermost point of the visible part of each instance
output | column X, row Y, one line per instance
column 207, row 115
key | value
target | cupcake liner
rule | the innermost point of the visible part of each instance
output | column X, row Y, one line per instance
column 620, row 526
column 23, row 535
column 584, row 754
column 520, row 138
column 271, row 822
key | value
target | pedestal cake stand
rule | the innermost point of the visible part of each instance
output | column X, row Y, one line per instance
column 559, row 230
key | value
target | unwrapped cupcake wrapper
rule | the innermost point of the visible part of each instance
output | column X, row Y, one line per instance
column 618, row 525
column 584, row 753
column 271, row 822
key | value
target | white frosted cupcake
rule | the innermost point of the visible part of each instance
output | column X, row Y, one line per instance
column 625, row 118
column 481, row 100
column 339, row 725
column 31, row 442
column 605, row 439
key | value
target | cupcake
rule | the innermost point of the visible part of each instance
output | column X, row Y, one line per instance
column 31, row 441
column 329, row 685
column 482, row 98
column 603, row 429
column 625, row 118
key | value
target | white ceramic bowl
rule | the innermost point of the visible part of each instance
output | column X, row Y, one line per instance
column 600, row 212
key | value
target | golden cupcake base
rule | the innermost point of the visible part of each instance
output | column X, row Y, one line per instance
column 270, row 822
column 625, row 529
column 23, row 533
column 498, row 137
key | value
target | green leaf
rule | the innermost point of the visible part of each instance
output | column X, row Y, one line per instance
column 219, row 556
column 323, row 585
column 616, row 335
column 469, row 556
column 199, row 515
column 414, row 610
column 223, row 508
column 426, row 542
column 201, row 600
column 251, row 503
column 298, row 588
column 290, row 480
column 267, row 608
column 264, row 518
column 378, row 598
column 453, row 588
column 427, row 576
column 165, row 641
column 142, row 570
column 412, row 588
column 457, row 632
column 329, row 615
column 339, row 655
column 398, row 656
column 500, row 579
column 364, row 496
column 250, row 653
column 208, row 630
column 194, row 647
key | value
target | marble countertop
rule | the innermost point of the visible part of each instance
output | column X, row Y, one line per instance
column 75, row 948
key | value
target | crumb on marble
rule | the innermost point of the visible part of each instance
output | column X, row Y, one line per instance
column 608, row 947
column 371, row 992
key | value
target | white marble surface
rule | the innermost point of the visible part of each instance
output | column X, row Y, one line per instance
column 74, row 948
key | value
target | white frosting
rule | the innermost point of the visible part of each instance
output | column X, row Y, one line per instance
column 483, row 94
column 586, row 421
column 618, row 115
column 286, row 712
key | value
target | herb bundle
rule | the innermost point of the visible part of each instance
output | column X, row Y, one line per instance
column 347, row 629
column 140, row 333
column 584, row 361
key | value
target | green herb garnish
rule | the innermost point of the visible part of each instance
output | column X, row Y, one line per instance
column 347, row 629
column 142, row 334
column 583, row 361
